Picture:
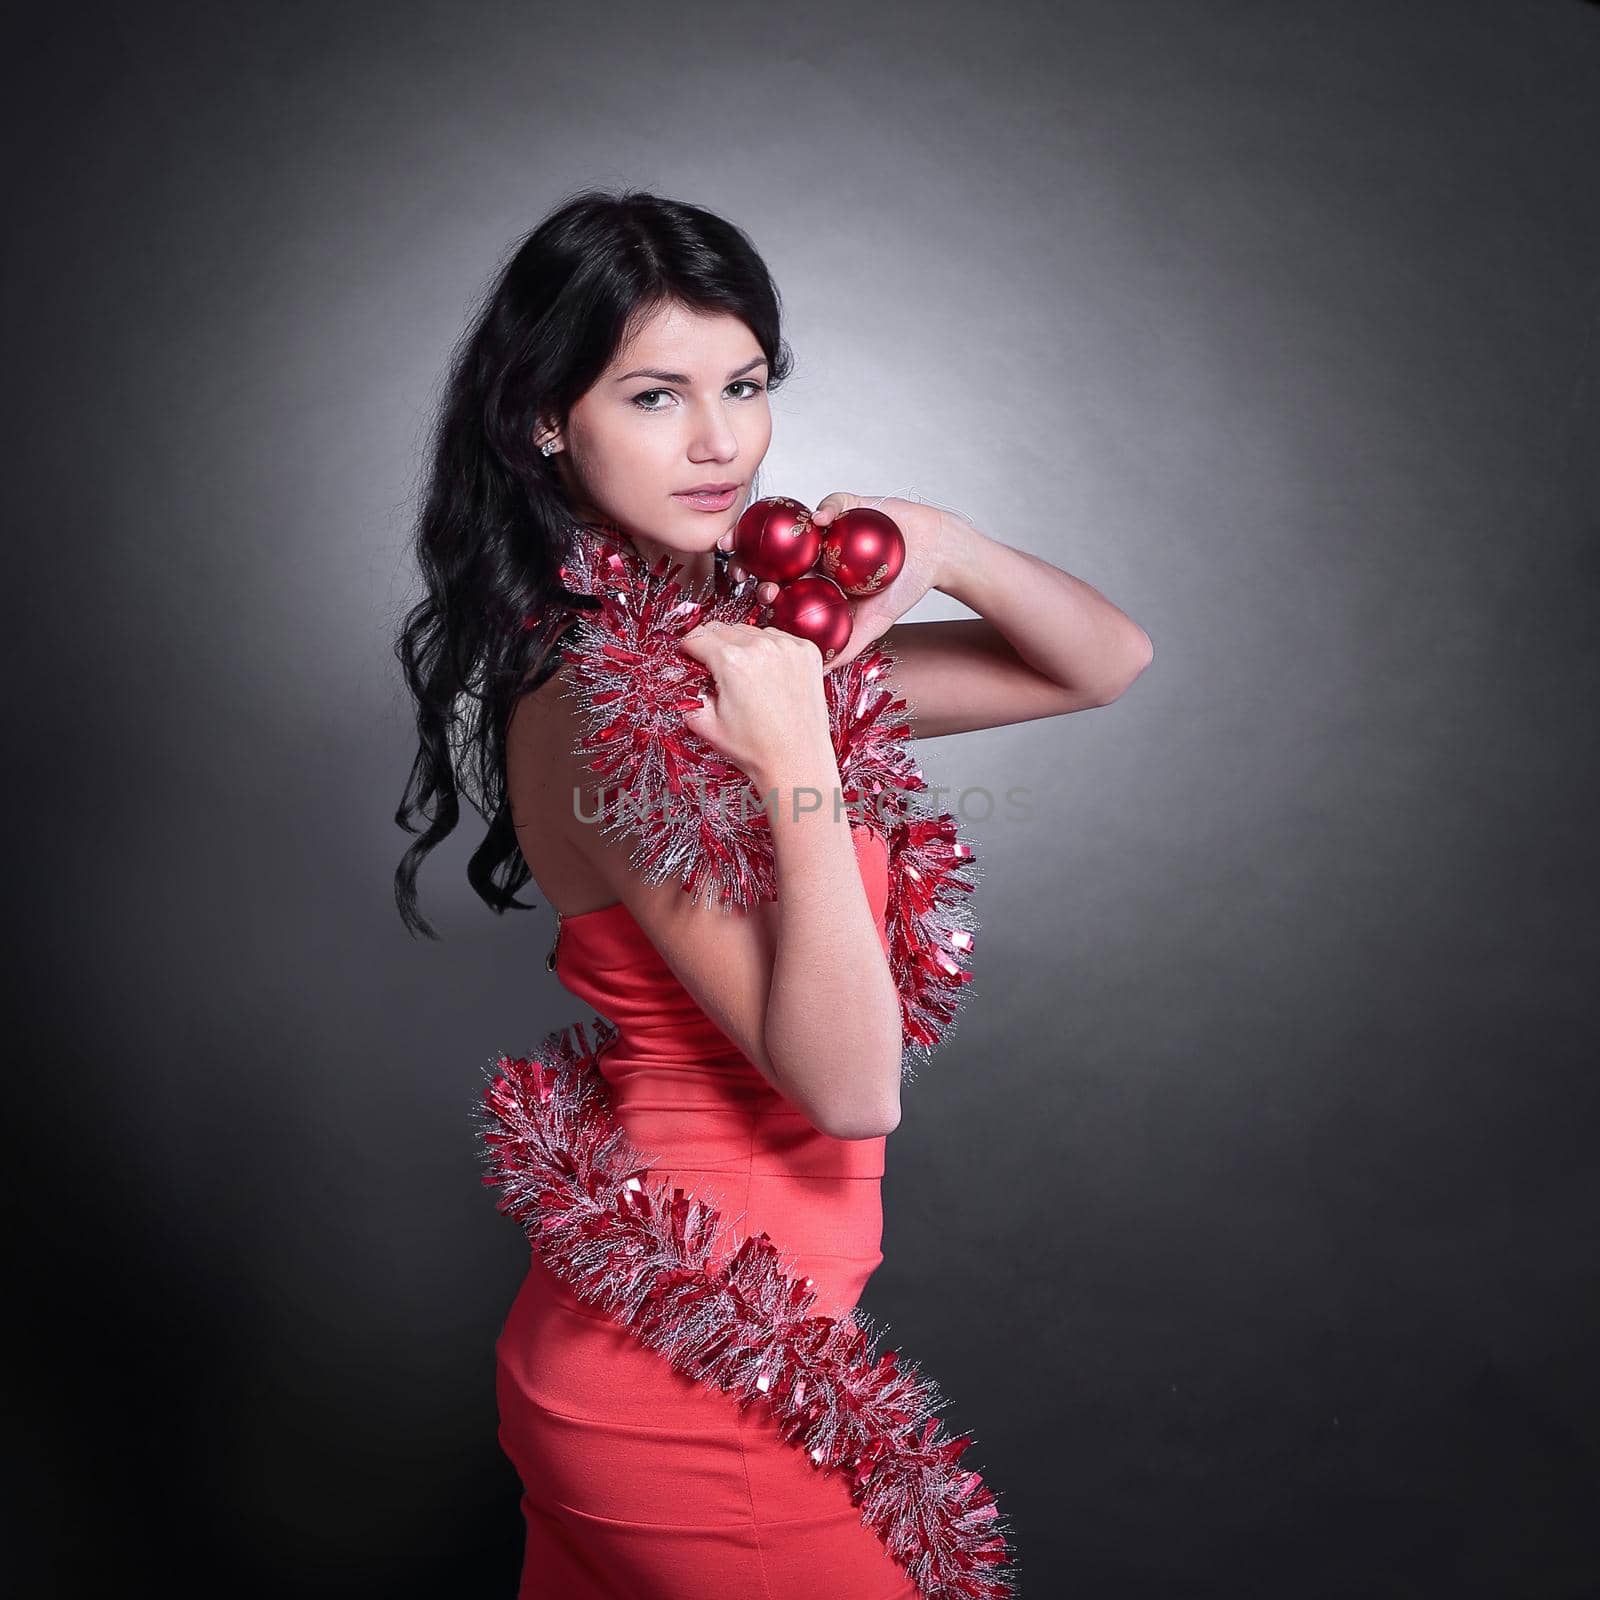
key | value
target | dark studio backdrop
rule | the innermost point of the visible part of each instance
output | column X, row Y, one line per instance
column 1248, row 1218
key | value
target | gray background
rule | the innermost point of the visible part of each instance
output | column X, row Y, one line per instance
column 1248, row 1217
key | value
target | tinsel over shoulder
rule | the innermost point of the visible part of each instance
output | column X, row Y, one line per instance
column 665, row 1265
column 695, row 817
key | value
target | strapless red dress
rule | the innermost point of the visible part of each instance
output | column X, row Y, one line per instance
column 639, row 1482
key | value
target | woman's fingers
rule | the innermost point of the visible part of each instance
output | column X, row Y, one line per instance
column 766, row 590
column 708, row 640
column 704, row 642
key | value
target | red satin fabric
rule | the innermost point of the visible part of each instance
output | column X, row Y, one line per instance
column 639, row 1482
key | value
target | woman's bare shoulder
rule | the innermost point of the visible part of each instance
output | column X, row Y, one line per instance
column 550, row 789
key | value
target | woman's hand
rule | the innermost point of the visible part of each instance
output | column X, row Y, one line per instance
column 768, row 712
column 927, row 533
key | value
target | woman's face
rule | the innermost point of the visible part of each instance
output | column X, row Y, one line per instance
column 681, row 406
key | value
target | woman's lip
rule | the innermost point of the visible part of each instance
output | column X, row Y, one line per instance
column 712, row 502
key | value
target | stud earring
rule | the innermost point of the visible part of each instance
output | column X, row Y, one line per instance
column 548, row 448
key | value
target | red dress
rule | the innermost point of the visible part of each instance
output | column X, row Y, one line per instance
column 641, row 1483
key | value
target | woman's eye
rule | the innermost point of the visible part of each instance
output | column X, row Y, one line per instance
column 641, row 400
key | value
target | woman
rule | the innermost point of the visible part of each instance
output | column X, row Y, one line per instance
column 616, row 386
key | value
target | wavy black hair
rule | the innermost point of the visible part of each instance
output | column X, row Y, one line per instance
column 495, row 515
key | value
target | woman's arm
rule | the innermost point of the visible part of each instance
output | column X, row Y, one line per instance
column 833, row 1021
column 1043, row 642
column 813, row 955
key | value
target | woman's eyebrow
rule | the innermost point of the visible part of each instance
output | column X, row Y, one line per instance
column 683, row 377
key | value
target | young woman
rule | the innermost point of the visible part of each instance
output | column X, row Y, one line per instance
column 616, row 385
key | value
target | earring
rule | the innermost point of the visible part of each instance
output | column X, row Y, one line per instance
column 548, row 448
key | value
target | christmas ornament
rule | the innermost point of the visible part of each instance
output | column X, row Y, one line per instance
column 732, row 1313
column 863, row 551
column 775, row 539
column 813, row 607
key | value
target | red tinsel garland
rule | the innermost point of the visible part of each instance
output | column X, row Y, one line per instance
column 633, row 685
column 659, row 1265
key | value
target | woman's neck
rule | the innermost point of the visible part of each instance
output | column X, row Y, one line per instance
column 699, row 566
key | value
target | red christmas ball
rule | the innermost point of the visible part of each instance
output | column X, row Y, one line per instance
column 775, row 540
column 814, row 607
column 862, row 550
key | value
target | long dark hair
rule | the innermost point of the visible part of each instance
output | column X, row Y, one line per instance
column 495, row 518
